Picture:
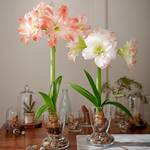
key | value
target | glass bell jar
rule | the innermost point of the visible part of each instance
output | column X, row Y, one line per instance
column 12, row 115
column 12, row 124
column 27, row 101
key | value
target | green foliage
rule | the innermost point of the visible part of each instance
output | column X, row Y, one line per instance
column 40, row 111
column 50, row 99
column 128, row 83
column 95, row 97
column 125, row 87
column 94, row 88
column 28, row 107
column 119, row 105
column 85, row 93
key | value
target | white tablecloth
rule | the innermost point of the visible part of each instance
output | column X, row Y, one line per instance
column 122, row 142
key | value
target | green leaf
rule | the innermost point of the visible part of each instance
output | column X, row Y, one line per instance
column 119, row 105
column 58, row 83
column 53, row 94
column 26, row 106
column 54, row 90
column 32, row 105
column 47, row 100
column 40, row 111
column 30, row 100
column 26, row 110
column 93, row 86
column 85, row 93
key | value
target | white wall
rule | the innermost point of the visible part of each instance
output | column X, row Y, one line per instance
column 20, row 65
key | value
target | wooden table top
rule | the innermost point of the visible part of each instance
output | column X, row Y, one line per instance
column 35, row 136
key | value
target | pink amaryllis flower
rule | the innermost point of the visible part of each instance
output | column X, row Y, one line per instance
column 60, row 25
column 78, row 32
column 54, row 23
column 79, row 25
column 44, row 13
column 29, row 28
column 101, row 46
column 128, row 52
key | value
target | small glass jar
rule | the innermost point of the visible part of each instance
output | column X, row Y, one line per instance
column 27, row 102
column 74, row 122
column 13, row 124
column 12, row 115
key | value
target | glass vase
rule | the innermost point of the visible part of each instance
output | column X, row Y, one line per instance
column 74, row 122
column 65, row 105
column 122, row 119
column 54, row 125
column 136, row 108
column 100, row 125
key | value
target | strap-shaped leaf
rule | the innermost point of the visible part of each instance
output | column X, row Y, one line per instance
column 47, row 100
column 58, row 83
column 40, row 111
column 93, row 86
column 32, row 106
column 26, row 110
column 119, row 105
column 26, row 106
column 54, row 89
column 53, row 95
column 85, row 93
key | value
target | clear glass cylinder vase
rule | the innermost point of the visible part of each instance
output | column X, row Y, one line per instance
column 54, row 125
column 100, row 125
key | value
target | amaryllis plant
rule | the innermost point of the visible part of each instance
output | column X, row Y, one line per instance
column 55, row 24
column 101, row 46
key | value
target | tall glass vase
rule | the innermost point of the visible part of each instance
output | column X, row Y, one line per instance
column 65, row 105
column 55, row 128
column 100, row 125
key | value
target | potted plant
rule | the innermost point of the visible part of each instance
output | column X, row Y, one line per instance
column 102, row 47
column 29, row 110
column 131, row 92
column 56, row 24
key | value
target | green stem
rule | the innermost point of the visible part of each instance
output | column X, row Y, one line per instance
column 99, row 81
column 107, row 82
column 52, row 64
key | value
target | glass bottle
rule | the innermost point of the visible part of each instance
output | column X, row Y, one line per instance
column 65, row 106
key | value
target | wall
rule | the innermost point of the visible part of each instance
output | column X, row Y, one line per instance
column 20, row 65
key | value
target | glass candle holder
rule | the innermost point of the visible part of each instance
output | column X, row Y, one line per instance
column 74, row 122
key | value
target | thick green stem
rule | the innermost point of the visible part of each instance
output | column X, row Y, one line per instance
column 99, row 86
column 52, row 64
column 107, row 82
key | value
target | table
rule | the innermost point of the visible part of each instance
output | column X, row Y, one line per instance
column 35, row 136
column 122, row 142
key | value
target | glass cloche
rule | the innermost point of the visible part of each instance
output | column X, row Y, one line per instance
column 28, row 102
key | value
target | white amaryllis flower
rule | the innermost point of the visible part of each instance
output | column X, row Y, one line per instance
column 101, row 46
column 75, row 47
column 128, row 52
